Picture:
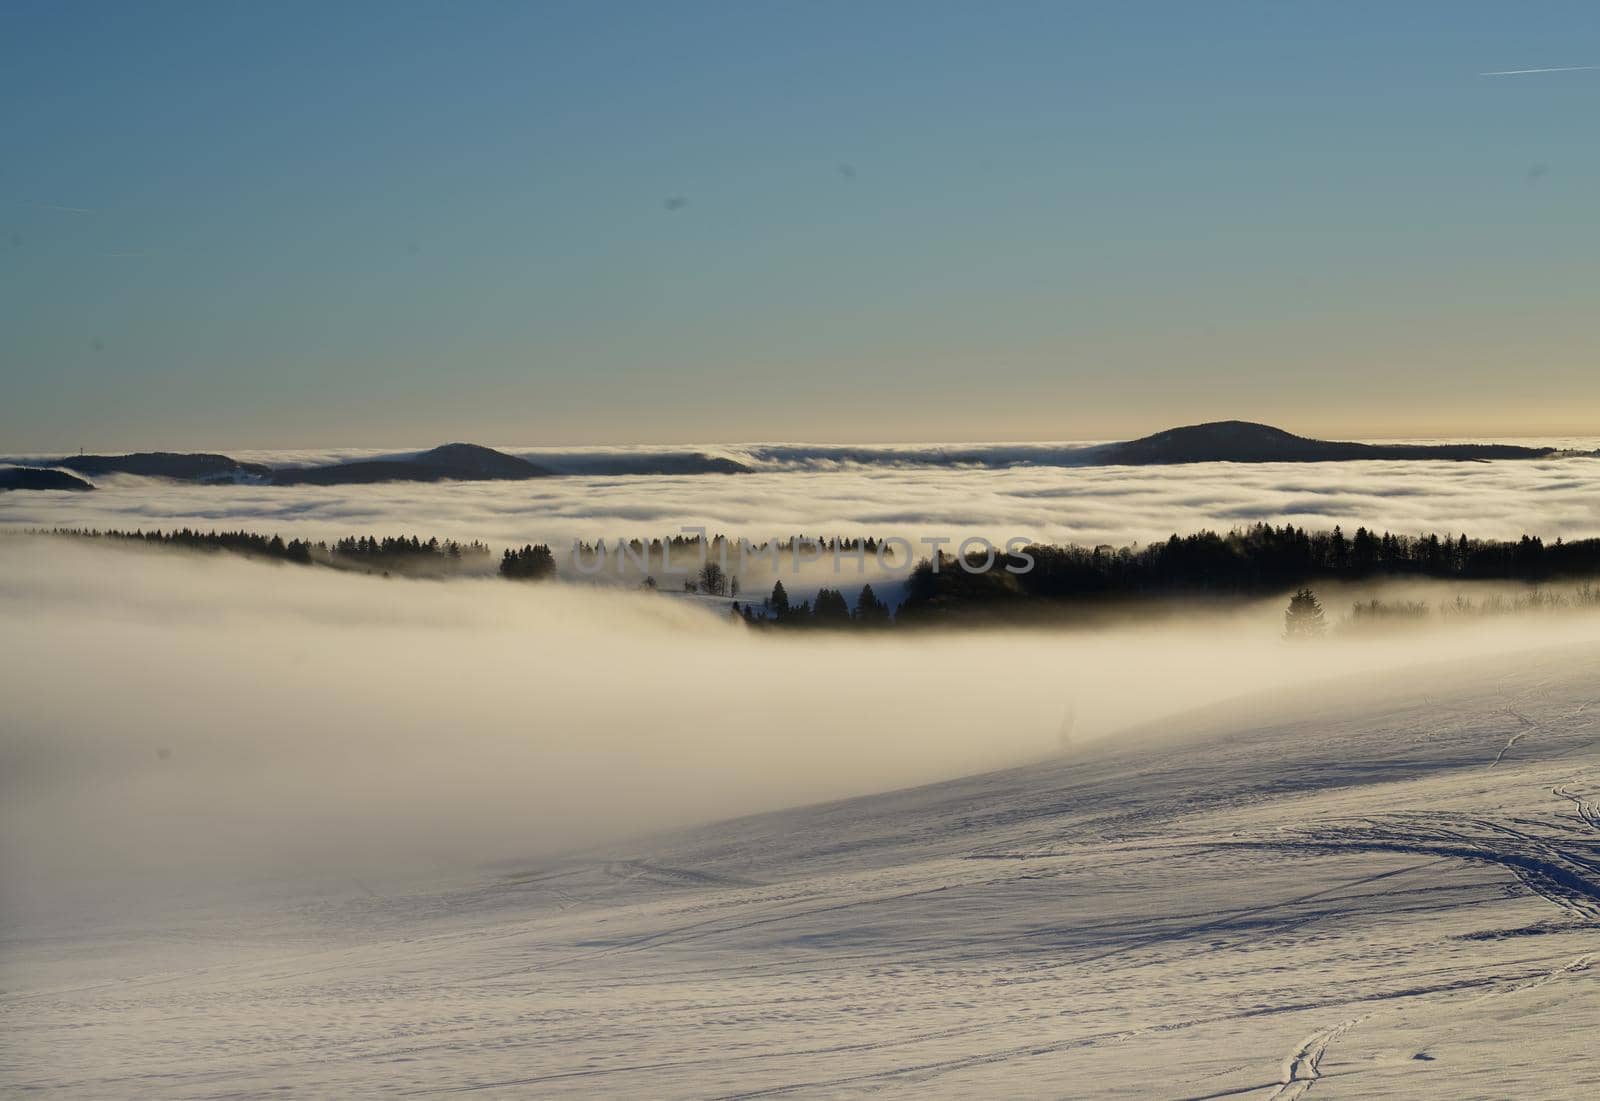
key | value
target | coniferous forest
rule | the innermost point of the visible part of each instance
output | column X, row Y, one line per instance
column 1042, row 583
column 1249, row 562
column 365, row 553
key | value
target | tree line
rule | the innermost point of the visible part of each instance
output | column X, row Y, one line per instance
column 395, row 550
column 367, row 553
column 534, row 562
column 1050, row 582
column 1254, row 561
column 829, row 608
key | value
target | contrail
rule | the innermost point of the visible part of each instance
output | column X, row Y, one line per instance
column 1558, row 69
column 55, row 206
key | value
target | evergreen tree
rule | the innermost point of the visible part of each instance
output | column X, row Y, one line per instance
column 830, row 609
column 1338, row 549
column 1303, row 619
column 534, row 562
column 870, row 611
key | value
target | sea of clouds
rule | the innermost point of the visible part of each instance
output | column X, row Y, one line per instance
column 1553, row 498
column 174, row 720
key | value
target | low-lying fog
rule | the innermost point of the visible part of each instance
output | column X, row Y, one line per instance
column 1116, row 505
column 176, row 720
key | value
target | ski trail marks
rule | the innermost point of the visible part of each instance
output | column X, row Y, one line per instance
column 1551, row 866
column 1588, row 810
column 1303, row 1066
column 1528, row 727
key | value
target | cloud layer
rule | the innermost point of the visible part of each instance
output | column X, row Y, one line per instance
column 1554, row 498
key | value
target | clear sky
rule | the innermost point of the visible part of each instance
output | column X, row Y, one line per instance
column 233, row 225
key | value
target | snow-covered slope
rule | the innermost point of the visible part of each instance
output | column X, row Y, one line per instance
column 1384, row 890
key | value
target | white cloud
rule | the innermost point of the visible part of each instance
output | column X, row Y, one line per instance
column 1554, row 498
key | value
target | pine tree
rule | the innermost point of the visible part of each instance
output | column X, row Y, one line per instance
column 870, row 611
column 1338, row 549
column 1303, row 619
column 533, row 562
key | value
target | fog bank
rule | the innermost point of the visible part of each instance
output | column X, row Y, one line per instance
column 1117, row 505
column 173, row 720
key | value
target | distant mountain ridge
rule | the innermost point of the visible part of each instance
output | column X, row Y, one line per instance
column 460, row 462
column 1231, row 441
column 195, row 467
column 27, row 477
column 1248, row 442
column 662, row 463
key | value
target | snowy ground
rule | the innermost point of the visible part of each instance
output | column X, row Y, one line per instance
column 1390, row 888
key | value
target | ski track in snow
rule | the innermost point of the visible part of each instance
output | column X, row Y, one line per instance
column 1588, row 811
column 1304, row 1065
column 1528, row 727
column 1322, row 901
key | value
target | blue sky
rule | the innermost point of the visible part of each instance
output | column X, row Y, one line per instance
column 231, row 225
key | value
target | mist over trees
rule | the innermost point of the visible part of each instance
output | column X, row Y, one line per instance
column 400, row 551
column 1257, row 561
column 235, row 542
column 829, row 608
column 534, row 562
column 1052, row 584
column 713, row 580
column 366, row 553
column 1304, row 619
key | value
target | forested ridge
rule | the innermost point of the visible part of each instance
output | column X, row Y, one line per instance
column 1041, row 583
column 1256, row 561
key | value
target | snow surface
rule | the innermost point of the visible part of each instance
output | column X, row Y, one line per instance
column 1388, row 888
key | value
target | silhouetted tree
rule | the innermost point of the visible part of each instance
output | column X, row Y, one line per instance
column 830, row 609
column 532, row 563
column 713, row 579
column 1303, row 619
column 870, row 611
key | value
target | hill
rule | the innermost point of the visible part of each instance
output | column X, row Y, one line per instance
column 1247, row 442
column 26, row 477
column 665, row 463
column 196, row 467
column 461, row 462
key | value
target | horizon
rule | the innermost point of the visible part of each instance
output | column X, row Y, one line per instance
column 1592, row 432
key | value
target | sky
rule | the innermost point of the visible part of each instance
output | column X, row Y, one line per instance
column 296, row 225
